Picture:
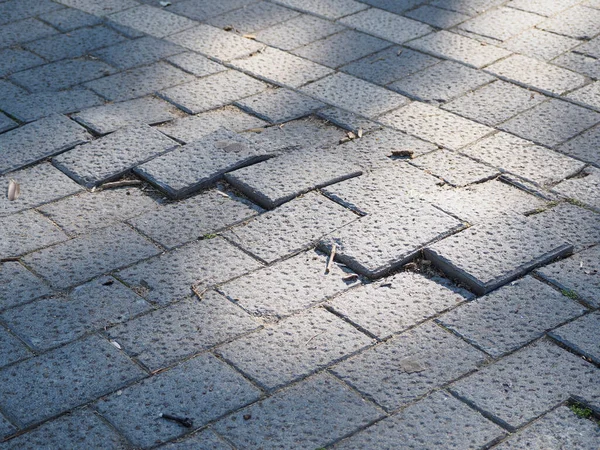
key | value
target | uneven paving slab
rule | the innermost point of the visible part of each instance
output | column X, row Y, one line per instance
column 204, row 10
column 170, row 276
column 101, row 8
column 584, row 146
column 11, row 349
column 294, row 347
column 6, row 428
column 438, row 420
column 156, row 22
column 289, row 286
column 542, row 7
column 409, row 366
column 392, row 305
column 501, row 23
column 18, row 285
column 138, row 52
column 279, row 105
column 578, row 22
column 195, row 64
column 579, row 336
column 38, row 140
column 584, row 188
column 590, row 48
column 6, row 123
column 540, row 44
column 588, row 96
column 582, row 64
column 512, row 316
column 69, row 19
column 202, row 389
column 253, row 17
column 14, row 60
column 12, row 11
column 23, row 31
column 470, row 7
column 205, row 440
column 198, row 165
column 111, row 156
column 332, row 10
column 347, row 120
column 521, row 386
column 49, row 384
column 290, row 228
column 437, row 17
column 53, row 321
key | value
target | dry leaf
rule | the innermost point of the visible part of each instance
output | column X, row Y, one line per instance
column 345, row 139
column 164, row 4
column 411, row 365
column 116, row 344
column 351, row 135
column 359, row 133
column 399, row 52
column 403, row 153
column 250, row 36
column 14, row 190
column 228, row 28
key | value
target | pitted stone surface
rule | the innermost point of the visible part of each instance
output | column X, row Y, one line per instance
column 13, row 10
column 138, row 52
column 290, row 228
column 11, row 349
column 588, row 95
column 367, row 99
column 112, row 156
column 168, row 335
column 294, row 347
column 470, row 7
column 202, row 388
column 378, row 372
column 204, row 10
column 69, row 19
column 170, row 276
column 87, row 256
column 195, row 64
column 6, row 123
column 457, row 427
column 279, row 105
column 289, row 286
column 585, row 188
column 333, row 9
column 18, row 285
column 23, row 31
column 578, row 22
column 435, row 125
column 53, row 321
column 542, row 7
column 253, row 17
column 540, row 44
column 6, row 428
column 437, row 17
column 156, row 22
column 395, row 6
column 512, row 316
column 347, row 120
column 14, row 60
column 584, row 146
column 453, row 168
column 41, row 387
column 493, row 253
column 583, row 64
column 579, row 335
column 213, row 91
column 100, row 8
column 197, row 165
column 394, row 304
column 501, row 23
column 205, row 440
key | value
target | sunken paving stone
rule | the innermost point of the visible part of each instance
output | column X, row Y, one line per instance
column 585, row 188
column 49, row 384
column 139, row 82
column 6, row 123
column 494, row 103
column 11, row 349
column 501, row 23
column 588, row 95
column 552, row 122
column 198, row 216
column 281, row 68
column 69, row 19
column 101, row 8
column 18, row 285
column 38, row 140
column 279, row 105
column 523, row 158
column 311, row 414
column 294, row 347
column 53, row 321
column 347, row 120
column 253, row 17
column 205, row 440
column 108, row 118
column 156, row 22
column 111, row 156
column 290, row 228
column 202, row 389
column 25, row 232
column 170, row 277
column 289, row 286
column 33, row 183
column 579, row 336
column 577, row 276
column 195, row 64
column 435, row 125
column 213, row 91
column 15, row 60
column 198, row 165
column 333, row 9
column 528, row 383
column 392, row 305
column 578, row 22
column 23, row 31
column 438, row 420
column 168, row 335
column 455, row 47
column 409, row 366
column 540, row 44
column 366, row 99
column 85, row 257
column 437, row 17
column 512, row 316
column 138, row 52
column 285, row 177
column 81, row 428
column 493, row 253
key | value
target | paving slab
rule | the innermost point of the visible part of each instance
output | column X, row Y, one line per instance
column 101, row 8
column 579, row 22
column 6, row 428
column 347, row 120
column 138, row 52
column 501, row 23
column 395, row 6
column 202, row 389
column 69, row 19
column 205, row 440
column 279, row 105
column 332, row 10
column 12, row 11
column 6, row 123
column 11, row 349
column 579, row 336
column 454, row 168
column 24, row 31
column 470, row 7
column 14, row 60
column 590, row 48
column 583, row 188
column 18, row 285
column 588, row 96
column 542, row 7
column 253, row 17
column 540, row 44
column 409, row 366
column 195, row 64
column 170, row 276
column 156, row 22
column 437, row 17
column 204, row 10
column 290, row 228
column 114, row 155
column 583, row 64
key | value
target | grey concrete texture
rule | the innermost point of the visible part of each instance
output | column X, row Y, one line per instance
column 579, row 336
column 18, row 285
column 280, row 105
column 582, row 188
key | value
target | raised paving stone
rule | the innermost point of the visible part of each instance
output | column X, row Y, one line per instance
column 347, row 120
column 289, row 286
column 168, row 335
column 511, row 317
column 6, row 123
column 332, row 9
column 195, row 64
column 579, row 335
column 387, row 374
column 585, row 188
column 435, row 125
column 18, row 285
column 213, row 91
column 156, row 22
column 111, row 156
column 198, row 165
column 294, row 347
column 69, row 19
column 578, row 22
column 367, row 99
column 41, row 387
column 540, row 44
column 204, row 10
column 53, row 321
column 445, row 44
column 493, row 253
column 38, row 140
column 453, row 168
column 501, row 23
column 170, row 277
column 205, row 440
column 138, row 52
column 437, row 17
column 202, row 388
column 521, row 386
column 253, row 17
column 279, row 105
column 85, row 257
column 14, row 60
column 100, row 8
column 588, row 95
column 394, row 304
column 11, row 349
column 24, row 31
column 584, row 146
column 198, row 216
column 438, row 420
column 290, row 228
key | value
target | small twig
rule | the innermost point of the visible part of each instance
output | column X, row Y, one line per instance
column 199, row 293
column 185, row 421
column 10, row 259
column 116, row 184
column 318, row 334
column 330, row 260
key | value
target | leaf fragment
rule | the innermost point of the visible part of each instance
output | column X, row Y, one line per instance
column 14, row 190
column 250, row 36
column 359, row 133
column 165, row 4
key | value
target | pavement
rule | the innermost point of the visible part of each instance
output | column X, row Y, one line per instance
column 300, row 224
